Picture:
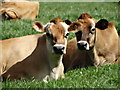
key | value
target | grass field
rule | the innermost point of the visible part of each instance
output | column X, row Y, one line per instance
column 100, row 77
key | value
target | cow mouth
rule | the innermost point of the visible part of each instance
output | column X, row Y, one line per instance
column 84, row 48
column 58, row 52
column 81, row 47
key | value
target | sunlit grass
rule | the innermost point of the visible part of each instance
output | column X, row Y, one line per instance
column 92, row 77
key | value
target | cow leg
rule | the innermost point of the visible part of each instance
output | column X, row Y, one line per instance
column 62, row 71
column 57, row 72
column 46, row 79
column 101, row 60
column 118, row 60
column 11, row 14
column 110, row 58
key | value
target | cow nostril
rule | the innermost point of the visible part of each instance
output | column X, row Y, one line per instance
column 59, row 49
column 55, row 48
column 85, row 44
column 78, row 44
column 63, row 48
column 82, row 45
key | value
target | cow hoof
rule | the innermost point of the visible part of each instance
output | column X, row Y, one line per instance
column 62, row 76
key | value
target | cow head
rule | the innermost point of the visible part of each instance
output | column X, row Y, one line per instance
column 85, row 31
column 56, row 34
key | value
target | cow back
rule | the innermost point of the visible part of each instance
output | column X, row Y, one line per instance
column 12, row 10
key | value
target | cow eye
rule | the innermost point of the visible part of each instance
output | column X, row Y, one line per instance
column 93, row 30
column 66, row 35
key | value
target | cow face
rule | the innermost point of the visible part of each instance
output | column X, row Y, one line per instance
column 85, row 31
column 56, row 35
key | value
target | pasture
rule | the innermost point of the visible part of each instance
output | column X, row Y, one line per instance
column 92, row 77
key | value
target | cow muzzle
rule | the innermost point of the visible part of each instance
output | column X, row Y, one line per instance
column 59, row 49
column 83, row 45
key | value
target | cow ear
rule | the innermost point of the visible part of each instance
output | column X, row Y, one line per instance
column 102, row 24
column 84, row 16
column 38, row 26
column 11, row 14
column 73, row 27
column 68, row 22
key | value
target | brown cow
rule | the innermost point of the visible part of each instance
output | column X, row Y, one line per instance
column 100, row 39
column 40, row 54
column 19, row 10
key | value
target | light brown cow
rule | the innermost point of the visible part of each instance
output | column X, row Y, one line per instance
column 19, row 10
column 41, row 54
column 74, row 57
column 100, row 39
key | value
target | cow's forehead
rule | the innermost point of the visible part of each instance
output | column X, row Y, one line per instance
column 92, row 22
column 86, row 21
column 86, row 24
column 58, row 29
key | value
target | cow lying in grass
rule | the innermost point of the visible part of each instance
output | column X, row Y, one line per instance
column 96, row 44
column 21, row 9
column 39, row 56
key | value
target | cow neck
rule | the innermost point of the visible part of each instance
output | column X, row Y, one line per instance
column 98, row 39
column 93, row 56
column 41, row 45
column 53, row 59
column 92, row 52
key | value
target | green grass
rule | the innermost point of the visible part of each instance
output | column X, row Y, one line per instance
column 92, row 77
column 100, row 77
